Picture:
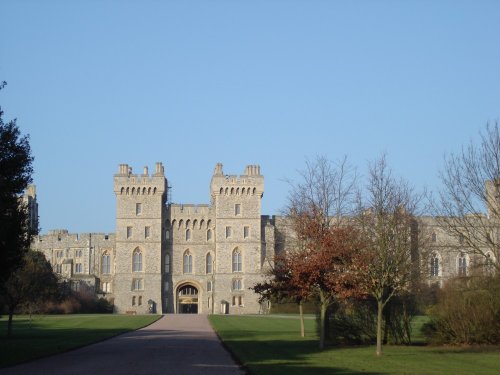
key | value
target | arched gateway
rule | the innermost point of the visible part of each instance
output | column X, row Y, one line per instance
column 187, row 299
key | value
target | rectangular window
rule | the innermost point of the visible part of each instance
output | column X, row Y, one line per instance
column 246, row 232
column 106, row 287
column 167, row 286
column 78, row 268
column 137, row 284
column 138, row 208
column 237, row 209
column 236, row 284
column 240, row 300
column 129, row 232
column 147, row 232
column 228, row 232
column 209, row 286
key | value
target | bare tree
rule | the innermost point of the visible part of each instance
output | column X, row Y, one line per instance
column 328, row 186
column 468, row 205
column 389, row 228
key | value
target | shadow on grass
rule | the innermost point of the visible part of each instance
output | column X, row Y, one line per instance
column 290, row 357
column 30, row 341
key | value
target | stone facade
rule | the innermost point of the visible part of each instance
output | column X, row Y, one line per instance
column 185, row 258
column 169, row 257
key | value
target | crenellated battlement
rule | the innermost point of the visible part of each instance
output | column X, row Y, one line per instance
column 128, row 183
column 248, row 184
column 61, row 238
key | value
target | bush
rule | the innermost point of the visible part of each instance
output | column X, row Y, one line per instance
column 467, row 312
column 352, row 322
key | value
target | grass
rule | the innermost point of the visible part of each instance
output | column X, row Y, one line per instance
column 50, row 334
column 271, row 345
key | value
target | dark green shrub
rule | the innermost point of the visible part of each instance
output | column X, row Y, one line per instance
column 467, row 312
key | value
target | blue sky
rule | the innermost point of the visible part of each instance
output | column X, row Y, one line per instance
column 193, row 83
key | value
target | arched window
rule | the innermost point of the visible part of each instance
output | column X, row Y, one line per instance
column 133, row 301
column 236, row 261
column 209, row 263
column 188, row 234
column 167, row 234
column 434, row 265
column 433, row 237
column 188, row 262
column 167, row 263
column 106, row 264
column 209, row 234
column 462, row 265
column 137, row 261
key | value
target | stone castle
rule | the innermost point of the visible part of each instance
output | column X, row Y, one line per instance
column 173, row 258
column 185, row 258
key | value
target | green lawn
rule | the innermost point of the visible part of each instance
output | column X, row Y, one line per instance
column 271, row 345
column 50, row 334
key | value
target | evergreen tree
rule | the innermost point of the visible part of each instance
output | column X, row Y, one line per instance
column 15, row 175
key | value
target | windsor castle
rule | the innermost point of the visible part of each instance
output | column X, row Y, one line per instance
column 185, row 258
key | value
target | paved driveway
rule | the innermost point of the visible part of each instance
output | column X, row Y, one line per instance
column 175, row 344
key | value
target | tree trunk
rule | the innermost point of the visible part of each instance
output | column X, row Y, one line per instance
column 301, row 313
column 9, row 324
column 387, row 324
column 380, row 308
column 322, row 319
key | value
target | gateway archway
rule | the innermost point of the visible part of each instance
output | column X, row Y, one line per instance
column 187, row 299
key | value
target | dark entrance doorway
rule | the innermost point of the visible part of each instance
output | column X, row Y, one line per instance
column 188, row 300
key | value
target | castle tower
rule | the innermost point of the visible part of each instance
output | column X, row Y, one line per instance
column 139, row 208
column 238, row 250
column 29, row 199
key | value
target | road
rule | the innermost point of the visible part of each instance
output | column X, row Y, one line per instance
column 181, row 344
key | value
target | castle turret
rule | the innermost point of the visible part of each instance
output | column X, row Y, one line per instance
column 139, row 211
column 239, row 258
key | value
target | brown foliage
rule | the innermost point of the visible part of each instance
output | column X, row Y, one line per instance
column 330, row 259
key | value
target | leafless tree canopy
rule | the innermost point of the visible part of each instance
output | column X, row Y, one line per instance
column 468, row 205
column 327, row 186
